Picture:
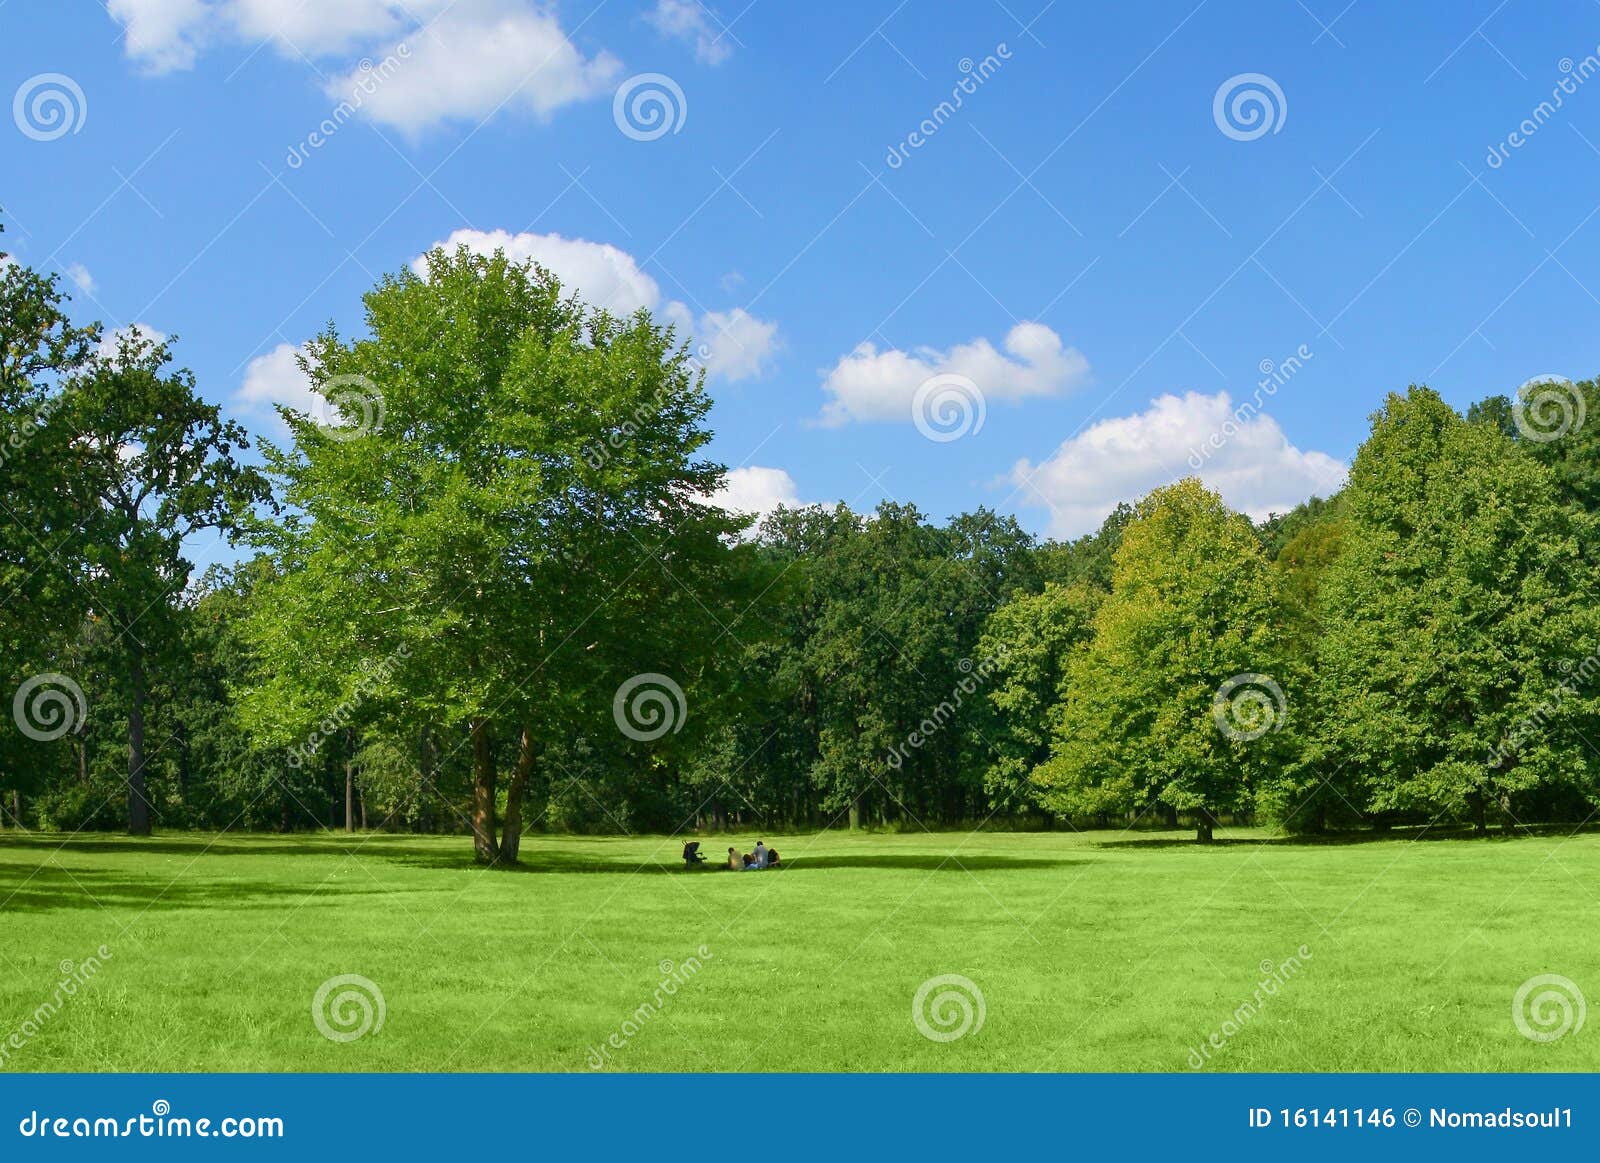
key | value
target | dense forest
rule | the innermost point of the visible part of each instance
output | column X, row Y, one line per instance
column 490, row 591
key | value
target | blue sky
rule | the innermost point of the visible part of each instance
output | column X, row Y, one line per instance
column 1088, row 247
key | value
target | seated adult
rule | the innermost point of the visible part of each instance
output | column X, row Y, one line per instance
column 772, row 858
column 760, row 854
column 734, row 861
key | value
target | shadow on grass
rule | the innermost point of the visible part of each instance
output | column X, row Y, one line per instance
column 47, row 888
column 547, row 862
column 196, row 844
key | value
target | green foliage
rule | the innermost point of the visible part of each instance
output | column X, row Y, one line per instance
column 1193, row 604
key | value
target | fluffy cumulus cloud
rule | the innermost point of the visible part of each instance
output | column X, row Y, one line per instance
column 869, row 384
column 757, row 491
column 691, row 21
column 441, row 60
column 275, row 378
column 1236, row 450
column 734, row 345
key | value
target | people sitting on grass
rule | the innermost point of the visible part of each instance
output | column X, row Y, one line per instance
column 735, row 861
column 760, row 854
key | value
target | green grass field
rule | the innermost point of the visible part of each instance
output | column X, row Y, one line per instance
column 1092, row 952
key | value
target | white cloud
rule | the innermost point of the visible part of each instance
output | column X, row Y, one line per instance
column 734, row 345
column 461, row 59
column 80, row 277
column 689, row 20
column 869, row 384
column 276, row 378
column 1240, row 453
column 758, row 491
column 738, row 345
column 162, row 35
column 112, row 340
column 473, row 61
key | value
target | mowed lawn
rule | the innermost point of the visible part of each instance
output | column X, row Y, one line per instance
column 1091, row 952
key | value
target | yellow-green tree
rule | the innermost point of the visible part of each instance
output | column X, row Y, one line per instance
column 1174, row 701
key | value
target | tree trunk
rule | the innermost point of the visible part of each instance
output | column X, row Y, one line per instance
column 349, row 787
column 511, row 834
column 138, row 796
column 1205, row 826
column 16, row 807
column 855, row 814
column 427, row 761
column 483, row 780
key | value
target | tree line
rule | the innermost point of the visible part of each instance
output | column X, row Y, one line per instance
column 486, row 588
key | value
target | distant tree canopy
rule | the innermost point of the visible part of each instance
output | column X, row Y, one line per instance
column 489, row 592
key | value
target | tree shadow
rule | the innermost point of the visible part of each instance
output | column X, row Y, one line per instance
column 50, row 888
column 309, row 844
column 555, row 862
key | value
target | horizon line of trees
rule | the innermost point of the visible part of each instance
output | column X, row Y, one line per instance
column 490, row 593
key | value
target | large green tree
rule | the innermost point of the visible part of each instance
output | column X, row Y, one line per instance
column 1451, row 625
column 1174, row 701
column 146, row 466
column 510, row 502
